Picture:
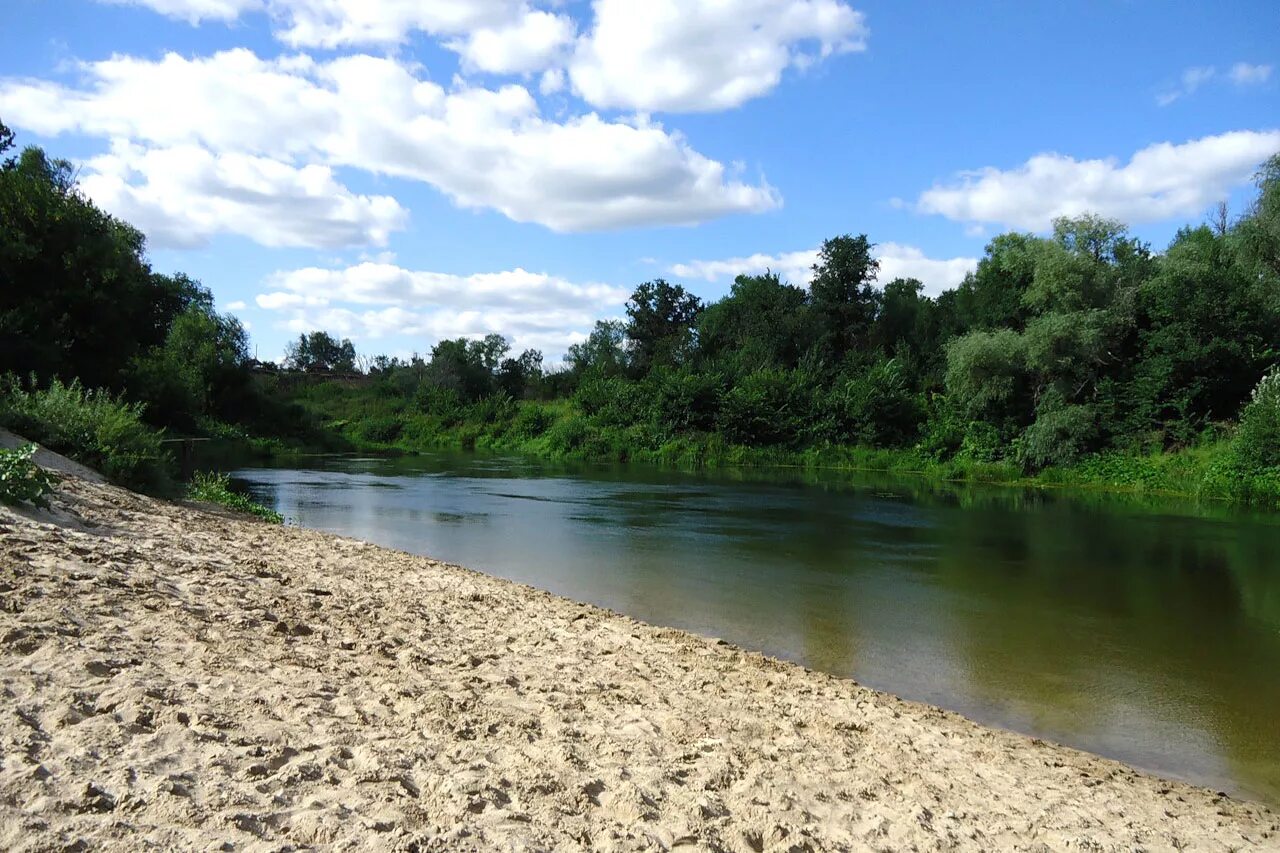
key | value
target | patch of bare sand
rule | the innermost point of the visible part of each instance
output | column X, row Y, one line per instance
column 178, row 679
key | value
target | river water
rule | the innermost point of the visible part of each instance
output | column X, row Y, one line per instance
column 1147, row 631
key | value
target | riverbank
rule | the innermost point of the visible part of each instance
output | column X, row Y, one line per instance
column 1208, row 472
column 186, row 678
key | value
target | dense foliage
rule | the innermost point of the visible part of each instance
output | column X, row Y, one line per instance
column 22, row 480
column 99, row 350
column 1082, row 350
column 93, row 426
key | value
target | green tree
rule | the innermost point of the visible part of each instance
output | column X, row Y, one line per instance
column 843, row 295
column 761, row 323
column 77, row 296
column 320, row 352
column 1208, row 331
column 602, row 354
column 660, row 320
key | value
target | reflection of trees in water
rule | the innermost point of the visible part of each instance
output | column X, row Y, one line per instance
column 1180, row 611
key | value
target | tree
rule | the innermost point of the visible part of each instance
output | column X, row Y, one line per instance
column 603, row 354
column 519, row 376
column 660, row 324
column 77, row 296
column 991, row 297
column 762, row 323
column 1208, row 331
column 320, row 352
column 843, row 295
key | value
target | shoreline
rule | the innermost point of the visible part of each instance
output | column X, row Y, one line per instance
column 183, row 678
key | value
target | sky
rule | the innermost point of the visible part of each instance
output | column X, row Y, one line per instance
column 402, row 171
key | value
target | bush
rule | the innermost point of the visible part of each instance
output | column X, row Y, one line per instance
column 767, row 407
column 877, row 408
column 216, row 489
column 379, row 429
column 611, row 401
column 1060, row 435
column 682, row 400
column 92, row 427
column 22, row 480
column 1257, row 443
column 532, row 421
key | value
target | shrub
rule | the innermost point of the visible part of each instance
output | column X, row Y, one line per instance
column 92, row 427
column 1257, row 443
column 532, row 421
column 379, row 429
column 877, row 408
column 22, row 480
column 1060, row 435
column 216, row 489
column 682, row 399
column 766, row 407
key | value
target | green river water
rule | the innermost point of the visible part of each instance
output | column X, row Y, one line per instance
column 1147, row 631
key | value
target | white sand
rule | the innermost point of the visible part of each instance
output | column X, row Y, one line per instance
column 180, row 679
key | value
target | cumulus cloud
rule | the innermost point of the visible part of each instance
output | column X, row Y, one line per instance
column 684, row 57
column 371, row 301
column 1160, row 181
column 896, row 261
column 195, row 11
column 648, row 56
column 183, row 195
column 531, row 43
column 484, row 148
column 335, row 23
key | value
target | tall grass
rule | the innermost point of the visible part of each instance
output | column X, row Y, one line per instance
column 92, row 427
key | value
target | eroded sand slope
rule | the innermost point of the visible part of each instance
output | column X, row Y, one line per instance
column 187, row 680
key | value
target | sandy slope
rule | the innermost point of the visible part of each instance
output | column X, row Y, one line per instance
column 187, row 680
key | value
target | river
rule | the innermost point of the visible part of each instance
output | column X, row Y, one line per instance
column 1147, row 631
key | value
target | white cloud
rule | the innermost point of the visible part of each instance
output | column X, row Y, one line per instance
column 552, row 81
column 1244, row 74
column 529, row 44
column 371, row 301
column 649, row 56
column 1192, row 79
column 333, row 23
column 896, row 261
column 1241, row 74
column 483, row 148
column 683, row 57
column 195, row 11
column 238, row 305
column 1158, row 182
column 183, row 195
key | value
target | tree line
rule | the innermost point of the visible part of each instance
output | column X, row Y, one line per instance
column 1056, row 348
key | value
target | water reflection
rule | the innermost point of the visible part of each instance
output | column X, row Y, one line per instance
column 1149, row 632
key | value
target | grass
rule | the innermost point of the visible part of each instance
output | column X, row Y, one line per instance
column 93, row 427
column 216, row 489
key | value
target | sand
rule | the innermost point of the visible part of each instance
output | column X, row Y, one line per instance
column 180, row 679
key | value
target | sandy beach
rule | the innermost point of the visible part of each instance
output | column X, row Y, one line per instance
column 175, row 678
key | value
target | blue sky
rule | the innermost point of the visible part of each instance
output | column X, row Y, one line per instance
column 402, row 171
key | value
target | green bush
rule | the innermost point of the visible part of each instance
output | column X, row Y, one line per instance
column 92, row 427
column 379, row 429
column 876, row 408
column 216, row 489
column 532, row 421
column 22, row 480
column 767, row 407
column 1257, row 443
